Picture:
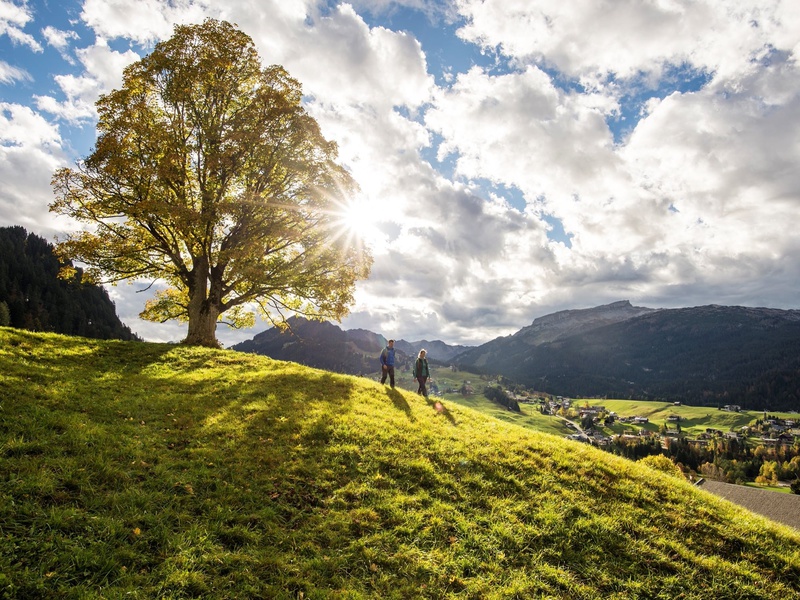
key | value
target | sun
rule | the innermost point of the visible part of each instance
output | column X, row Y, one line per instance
column 357, row 220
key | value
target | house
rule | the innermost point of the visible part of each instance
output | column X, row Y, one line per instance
column 599, row 439
column 783, row 439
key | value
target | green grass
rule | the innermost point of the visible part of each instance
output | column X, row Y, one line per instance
column 134, row 470
column 529, row 416
column 694, row 419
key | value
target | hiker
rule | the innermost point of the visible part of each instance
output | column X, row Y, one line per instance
column 387, row 363
column 421, row 372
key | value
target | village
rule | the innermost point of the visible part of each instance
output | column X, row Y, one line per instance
column 590, row 421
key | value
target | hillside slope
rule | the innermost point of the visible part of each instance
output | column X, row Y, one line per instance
column 155, row 471
column 33, row 296
column 710, row 355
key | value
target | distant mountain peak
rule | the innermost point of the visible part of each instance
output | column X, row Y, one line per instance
column 709, row 355
column 556, row 325
column 324, row 345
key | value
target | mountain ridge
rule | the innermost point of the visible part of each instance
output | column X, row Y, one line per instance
column 323, row 345
column 706, row 355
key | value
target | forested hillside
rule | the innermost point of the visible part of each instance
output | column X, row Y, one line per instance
column 33, row 297
column 707, row 355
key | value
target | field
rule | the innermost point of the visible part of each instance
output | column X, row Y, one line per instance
column 136, row 470
column 694, row 420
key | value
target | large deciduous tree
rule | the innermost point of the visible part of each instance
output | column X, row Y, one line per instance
column 209, row 174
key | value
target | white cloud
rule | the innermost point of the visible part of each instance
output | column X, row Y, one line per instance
column 30, row 150
column 104, row 65
column 726, row 158
column 144, row 21
column 21, row 127
column 103, row 72
column 589, row 40
column 13, row 19
column 519, row 129
column 10, row 74
column 355, row 65
column 60, row 40
column 81, row 92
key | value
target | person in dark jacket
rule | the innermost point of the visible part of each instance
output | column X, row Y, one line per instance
column 421, row 372
column 387, row 363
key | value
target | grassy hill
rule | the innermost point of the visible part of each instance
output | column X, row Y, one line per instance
column 529, row 416
column 133, row 470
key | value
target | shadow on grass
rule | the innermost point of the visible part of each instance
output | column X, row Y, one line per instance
column 441, row 409
column 399, row 402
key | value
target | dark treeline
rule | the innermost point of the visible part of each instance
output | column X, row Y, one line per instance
column 722, row 459
column 33, row 297
column 496, row 394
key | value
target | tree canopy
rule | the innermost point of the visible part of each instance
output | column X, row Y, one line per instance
column 209, row 175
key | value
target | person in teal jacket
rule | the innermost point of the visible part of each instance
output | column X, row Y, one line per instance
column 421, row 372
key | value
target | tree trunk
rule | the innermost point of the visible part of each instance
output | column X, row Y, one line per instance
column 203, row 310
column 203, row 326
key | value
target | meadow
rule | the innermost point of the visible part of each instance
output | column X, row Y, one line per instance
column 694, row 420
column 138, row 470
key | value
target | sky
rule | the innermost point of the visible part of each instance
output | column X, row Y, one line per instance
column 515, row 157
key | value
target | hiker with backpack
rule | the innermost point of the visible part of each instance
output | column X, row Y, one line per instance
column 421, row 372
column 387, row 363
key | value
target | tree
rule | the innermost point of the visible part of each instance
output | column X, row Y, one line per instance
column 659, row 462
column 5, row 315
column 209, row 175
column 496, row 394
